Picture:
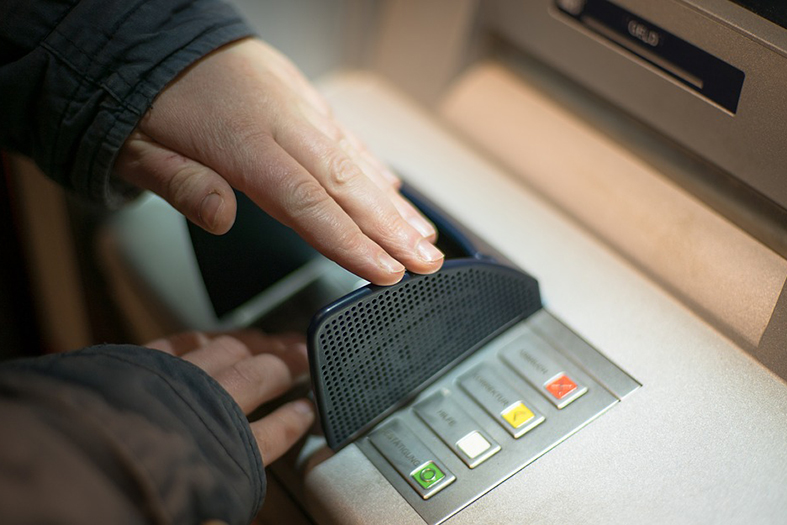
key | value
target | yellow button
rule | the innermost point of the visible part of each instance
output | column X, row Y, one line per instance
column 518, row 414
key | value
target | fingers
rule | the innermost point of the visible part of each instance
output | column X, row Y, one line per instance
column 195, row 190
column 362, row 199
column 218, row 354
column 195, row 340
column 254, row 381
column 380, row 175
column 357, row 149
column 281, row 429
column 225, row 350
column 290, row 348
column 293, row 196
column 253, row 368
column 258, row 379
column 414, row 217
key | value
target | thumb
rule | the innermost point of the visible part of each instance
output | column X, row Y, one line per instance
column 195, row 190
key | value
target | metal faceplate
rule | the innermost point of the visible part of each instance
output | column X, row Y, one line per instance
column 493, row 414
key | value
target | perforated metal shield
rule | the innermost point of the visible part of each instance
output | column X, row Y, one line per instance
column 379, row 346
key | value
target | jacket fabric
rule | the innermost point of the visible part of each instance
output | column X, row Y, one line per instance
column 77, row 75
column 120, row 434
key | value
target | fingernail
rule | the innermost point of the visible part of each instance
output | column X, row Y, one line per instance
column 303, row 407
column 423, row 227
column 389, row 264
column 427, row 251
column 209, row 209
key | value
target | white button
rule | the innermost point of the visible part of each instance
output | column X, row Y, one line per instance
column 473, row 445
column 443, row 414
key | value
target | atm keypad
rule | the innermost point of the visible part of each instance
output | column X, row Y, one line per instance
column 488, row 418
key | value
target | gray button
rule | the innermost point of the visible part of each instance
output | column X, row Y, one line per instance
column 501, row 401
column 411, row 458
column 540, row 365
column 456, row 428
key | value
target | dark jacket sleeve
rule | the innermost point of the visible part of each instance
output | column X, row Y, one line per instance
column 76, row 76
column 122, row 435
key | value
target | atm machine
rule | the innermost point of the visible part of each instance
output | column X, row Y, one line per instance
column 608, row 340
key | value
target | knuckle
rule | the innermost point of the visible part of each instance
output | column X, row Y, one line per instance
column 245, row 374
column 180, row 186
column 392, row 228
column 341, row 170
column 252, row 133
column 353, row 241
column 307, row 196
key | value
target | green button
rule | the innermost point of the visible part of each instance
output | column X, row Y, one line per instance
column 428, row 475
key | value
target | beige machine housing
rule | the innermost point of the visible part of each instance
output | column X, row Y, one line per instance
column 654, row 221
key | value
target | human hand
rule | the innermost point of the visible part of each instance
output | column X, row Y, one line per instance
column 245, row 117
column 253, row 368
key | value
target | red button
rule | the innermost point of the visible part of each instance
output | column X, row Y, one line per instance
column 561, row 387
